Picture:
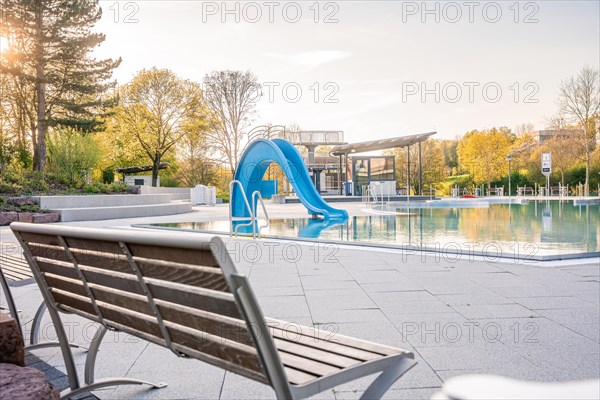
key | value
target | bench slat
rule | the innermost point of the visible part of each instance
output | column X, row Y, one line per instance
column 199, row 276
column 200, row 257
column 215, row 324
column 306, row 365
column 364, row 345
column 312, row 353
column 320, row 343
column 296, row 377
column 234, row 353
column 202, row 299
column 49, row 252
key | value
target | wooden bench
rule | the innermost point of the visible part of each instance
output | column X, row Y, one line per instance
column 183, row 292
column 558, row 191
column 497, row 191
column 525, row 191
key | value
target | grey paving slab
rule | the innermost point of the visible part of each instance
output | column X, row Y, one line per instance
column 415, row 307
column 318, row 282
column 481, row 356
column 380, row 332
column 573, row 315
column 533, row 290
column 551, row 302
column 336, row 271
column 277, row 291
column 589, row 295
column 284, row 306
column 342, row 299
column 483, row 297
column 494, row 311
column 381, row 276
column 590, row 331
column 421, row 376
column 583, row 271
column 372, row 315
column 394, row 286
column 393, row 297
column 237, row 387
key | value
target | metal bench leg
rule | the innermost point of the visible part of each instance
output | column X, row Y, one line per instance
column 10, row 301
column 34, row 336
column 90, row 364
column 387, row 378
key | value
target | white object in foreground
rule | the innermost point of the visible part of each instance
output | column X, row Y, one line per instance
column 491, row 387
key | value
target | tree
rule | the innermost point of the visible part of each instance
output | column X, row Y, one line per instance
column 231, row 96
column 523, row 129
column 564, row 150
column 432, row 162
column 450, row 155
column 193, row 154
column 483, row 153
column 158, row 108
column 580, row 100
column 51, row 55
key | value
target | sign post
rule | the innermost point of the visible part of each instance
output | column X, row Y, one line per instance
column 547, row 169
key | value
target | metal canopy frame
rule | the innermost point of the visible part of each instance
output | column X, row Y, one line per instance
column 343, row 151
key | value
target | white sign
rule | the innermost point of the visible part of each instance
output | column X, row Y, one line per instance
column 546, row 163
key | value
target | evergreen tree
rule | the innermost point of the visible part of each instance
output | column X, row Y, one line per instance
column 52, row 44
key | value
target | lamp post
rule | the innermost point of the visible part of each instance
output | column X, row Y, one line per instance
column 509, row 157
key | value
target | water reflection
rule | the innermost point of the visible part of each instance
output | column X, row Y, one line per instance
column 537, row 228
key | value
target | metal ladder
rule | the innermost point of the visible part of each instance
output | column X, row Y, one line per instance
column 367, row 193
column 256, row 194
column 256, row 230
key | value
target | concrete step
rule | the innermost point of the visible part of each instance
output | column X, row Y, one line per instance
column 131, row 211
column 107, row 200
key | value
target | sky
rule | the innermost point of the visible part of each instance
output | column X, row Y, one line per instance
column 373, row 69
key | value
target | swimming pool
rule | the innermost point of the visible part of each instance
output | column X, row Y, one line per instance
column 539, row 230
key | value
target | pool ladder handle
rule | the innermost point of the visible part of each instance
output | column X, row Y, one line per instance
column 234, row 231
column 256, row 194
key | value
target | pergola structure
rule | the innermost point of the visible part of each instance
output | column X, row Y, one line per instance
column 344, row 150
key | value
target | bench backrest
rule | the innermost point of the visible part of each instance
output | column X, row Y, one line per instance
column 165, row 287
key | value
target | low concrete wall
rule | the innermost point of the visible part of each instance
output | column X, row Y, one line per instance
column 163, row 190
column 107, row 200
column 101, row 213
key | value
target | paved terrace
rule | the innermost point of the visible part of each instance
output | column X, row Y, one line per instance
column 534, row 321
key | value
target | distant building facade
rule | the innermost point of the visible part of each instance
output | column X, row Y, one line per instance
column 543, row 136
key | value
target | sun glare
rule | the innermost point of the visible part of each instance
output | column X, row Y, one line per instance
column 3, row 43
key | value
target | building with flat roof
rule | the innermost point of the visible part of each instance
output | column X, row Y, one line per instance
column 542, row 136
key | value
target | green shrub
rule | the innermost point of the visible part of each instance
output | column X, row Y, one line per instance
column 72, row 154
column 108, row 176
column 119, row 187
column 97, row 187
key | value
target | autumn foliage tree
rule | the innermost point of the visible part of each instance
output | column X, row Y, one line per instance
column 483, row 153
column 158, row 109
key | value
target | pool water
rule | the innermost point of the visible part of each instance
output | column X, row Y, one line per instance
column 537, row 230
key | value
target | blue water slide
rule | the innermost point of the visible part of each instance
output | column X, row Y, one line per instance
column 253, row 164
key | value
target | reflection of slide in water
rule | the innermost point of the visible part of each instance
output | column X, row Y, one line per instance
column 314, row 227
column 254, row 163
